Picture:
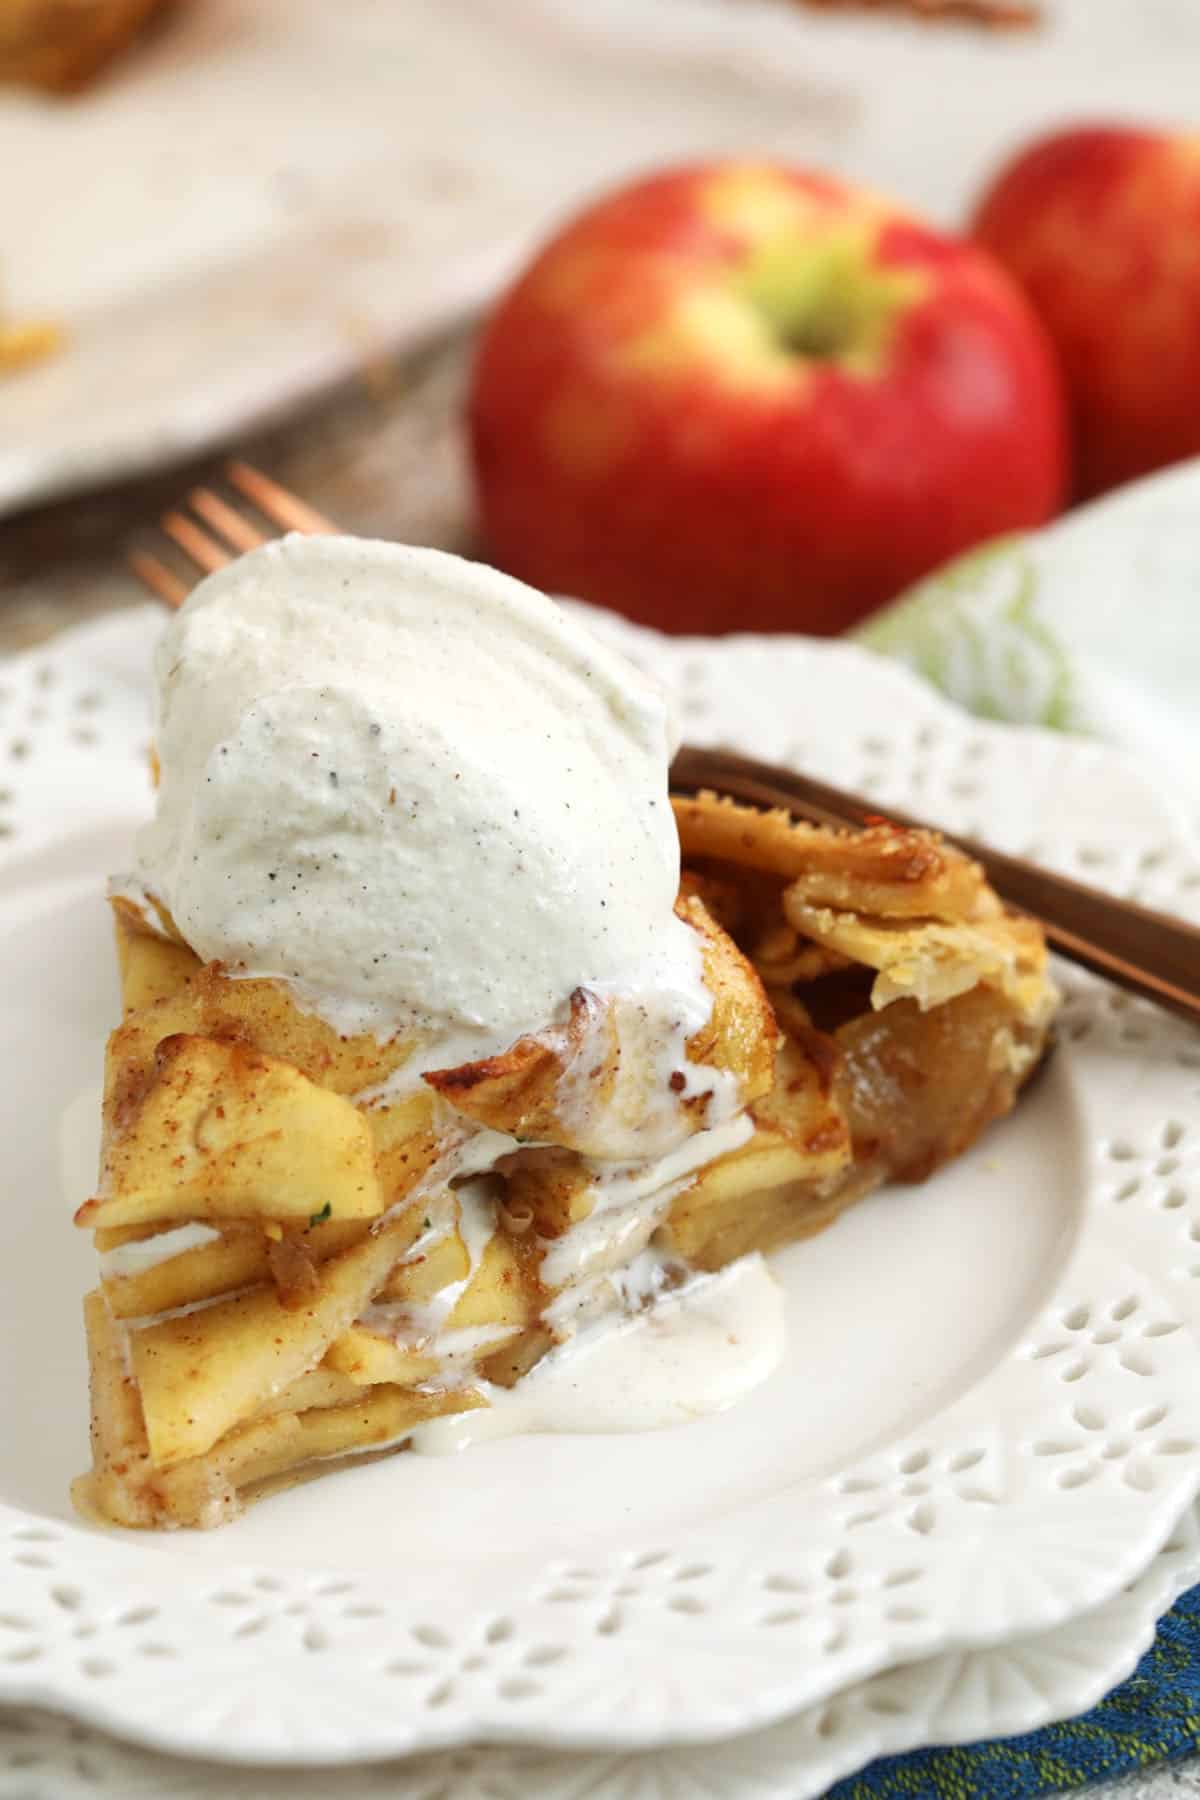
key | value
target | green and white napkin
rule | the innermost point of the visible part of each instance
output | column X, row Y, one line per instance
column 1089, row 625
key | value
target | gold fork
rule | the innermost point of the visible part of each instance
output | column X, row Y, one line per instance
column 1146, row 952
column 235, row 532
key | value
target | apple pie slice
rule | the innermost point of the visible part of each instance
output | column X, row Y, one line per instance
column 293, row 1274
column 452, row 1059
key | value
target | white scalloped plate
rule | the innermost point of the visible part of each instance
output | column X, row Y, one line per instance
column 989, row 1421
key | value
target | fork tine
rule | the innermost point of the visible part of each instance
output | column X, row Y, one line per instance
column 198, row 545
column 158, row 578
column 233, row 526
column 282, row 508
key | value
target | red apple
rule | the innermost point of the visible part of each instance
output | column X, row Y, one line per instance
column 1101, row 227
column 743, row 396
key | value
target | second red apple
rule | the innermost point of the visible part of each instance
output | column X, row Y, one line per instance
column 1101, row 226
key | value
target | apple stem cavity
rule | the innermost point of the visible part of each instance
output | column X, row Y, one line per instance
column 828, row 300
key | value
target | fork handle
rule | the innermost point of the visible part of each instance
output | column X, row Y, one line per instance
column 1149, row 953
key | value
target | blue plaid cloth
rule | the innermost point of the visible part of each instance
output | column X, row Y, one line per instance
column 1151, row 1718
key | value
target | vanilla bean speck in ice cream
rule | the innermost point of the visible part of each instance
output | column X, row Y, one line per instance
column 416, row 790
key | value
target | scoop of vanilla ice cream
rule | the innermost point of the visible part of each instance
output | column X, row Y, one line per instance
column 415, row 789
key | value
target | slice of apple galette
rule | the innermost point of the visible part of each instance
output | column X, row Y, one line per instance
column 438, row 1078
